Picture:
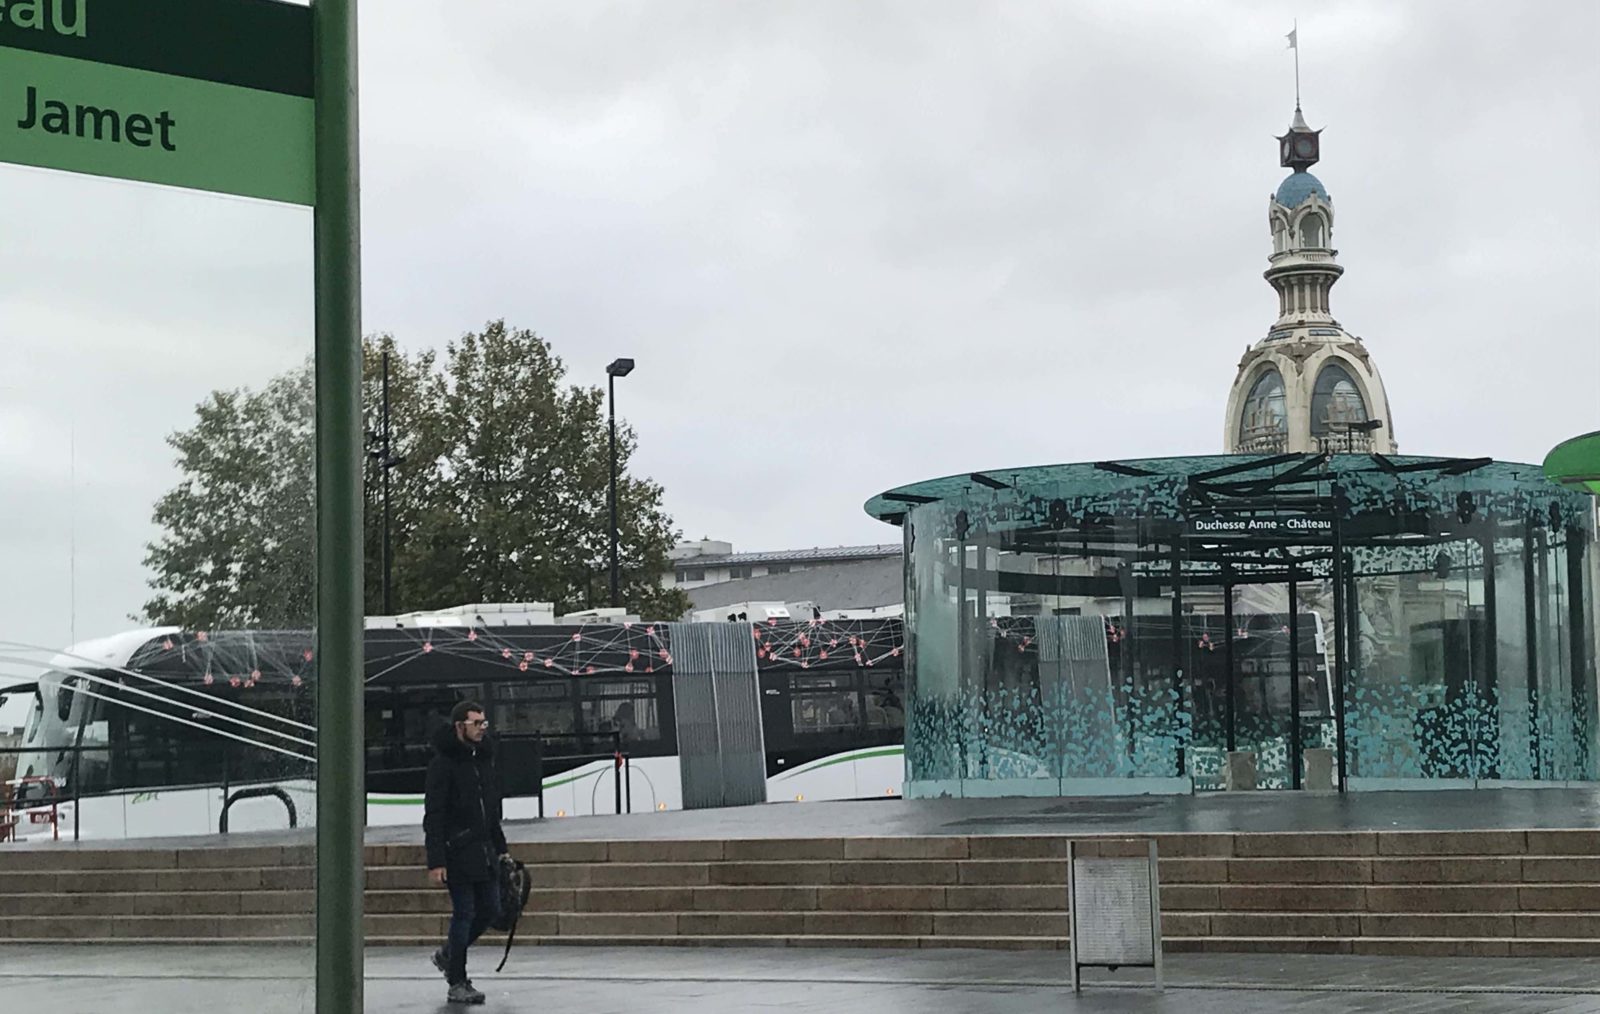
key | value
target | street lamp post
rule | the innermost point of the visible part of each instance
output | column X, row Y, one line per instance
column 617, row 368
column 382, row 451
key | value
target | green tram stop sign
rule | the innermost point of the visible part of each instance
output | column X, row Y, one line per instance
column 1575, row 463
column 211, row 95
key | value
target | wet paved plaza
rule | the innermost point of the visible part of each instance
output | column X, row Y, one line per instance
column 272, row 980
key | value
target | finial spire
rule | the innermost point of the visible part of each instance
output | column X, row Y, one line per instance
column 1294, row 44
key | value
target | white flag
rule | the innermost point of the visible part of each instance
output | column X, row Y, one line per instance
column 1291, row 37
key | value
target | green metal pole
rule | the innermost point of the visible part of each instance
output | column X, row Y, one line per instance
column 341, row 790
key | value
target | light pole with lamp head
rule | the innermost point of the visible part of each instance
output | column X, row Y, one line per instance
column 617, row 368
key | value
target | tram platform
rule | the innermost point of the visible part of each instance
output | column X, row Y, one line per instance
column 1265, row 811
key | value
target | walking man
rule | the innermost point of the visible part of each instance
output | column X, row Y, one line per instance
column 461, row 824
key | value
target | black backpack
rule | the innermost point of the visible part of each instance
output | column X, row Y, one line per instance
column 514, row 887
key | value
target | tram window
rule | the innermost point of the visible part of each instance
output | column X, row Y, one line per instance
column 815, row 713
column 207, row 755
column 35, row 717
column 152, row 750
column 545, row 706
column 383, row 751
column 69, row 689
column 885, row 700
column 422, row 710
column 94, row 762
column 380, row 710
column 824, row 703
column 626, row 706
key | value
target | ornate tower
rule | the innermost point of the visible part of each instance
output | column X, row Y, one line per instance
column 1309, row 385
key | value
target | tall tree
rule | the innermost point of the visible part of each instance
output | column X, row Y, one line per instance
column 501, row 495
column 239, row 529
column 521, row 512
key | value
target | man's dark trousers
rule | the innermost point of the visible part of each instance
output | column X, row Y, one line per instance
column 473, row 904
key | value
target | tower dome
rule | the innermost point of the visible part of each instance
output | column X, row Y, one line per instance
column 1299, row 187
column 1309, row 385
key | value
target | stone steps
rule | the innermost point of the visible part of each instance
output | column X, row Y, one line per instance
column 1495, row 893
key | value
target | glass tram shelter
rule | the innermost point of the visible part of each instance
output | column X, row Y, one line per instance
column 1346, row 621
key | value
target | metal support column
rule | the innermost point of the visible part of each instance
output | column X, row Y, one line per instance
column 1491, row 619
column 983, row 652
column 341, row 793
column 1548, row 623
column 1340, row 647
column 1577, row 629
column 963, row 652
column 1177, row 643
column 1352, row 635
column 1530, row 629
column 1233, row 677
column 1295, row 750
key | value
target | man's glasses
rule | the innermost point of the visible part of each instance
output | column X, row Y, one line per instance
column 482, row 723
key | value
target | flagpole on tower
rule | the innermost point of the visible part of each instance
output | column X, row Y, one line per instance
column 1294, row 44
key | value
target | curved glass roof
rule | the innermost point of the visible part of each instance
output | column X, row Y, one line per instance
column 1155, row 485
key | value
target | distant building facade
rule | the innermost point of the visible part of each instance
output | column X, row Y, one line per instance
column 835, row 582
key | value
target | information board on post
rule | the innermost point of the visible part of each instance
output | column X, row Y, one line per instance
column 1113, row 909
column 211, row 95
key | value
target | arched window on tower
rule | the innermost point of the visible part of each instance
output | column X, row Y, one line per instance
column 1264, row 423
column 1312, row 231
column 1280, row 234
column 1336, row 403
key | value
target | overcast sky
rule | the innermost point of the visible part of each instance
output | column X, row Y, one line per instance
column 851, row 245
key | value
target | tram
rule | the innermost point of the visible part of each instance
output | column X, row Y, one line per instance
column 145, row 732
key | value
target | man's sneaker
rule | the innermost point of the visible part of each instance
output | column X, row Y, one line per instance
column 441, row 961
column 462, row 992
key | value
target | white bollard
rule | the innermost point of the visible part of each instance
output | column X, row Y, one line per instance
column 1318, row 770
column 1241, row 770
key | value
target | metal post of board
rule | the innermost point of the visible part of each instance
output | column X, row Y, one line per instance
column 1155, row 915
column 1072, row 915
column 341, row 794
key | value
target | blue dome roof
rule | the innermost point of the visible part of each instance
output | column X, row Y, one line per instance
column 1298, row 187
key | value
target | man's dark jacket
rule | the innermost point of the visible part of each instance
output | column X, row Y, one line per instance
column 461, row 818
